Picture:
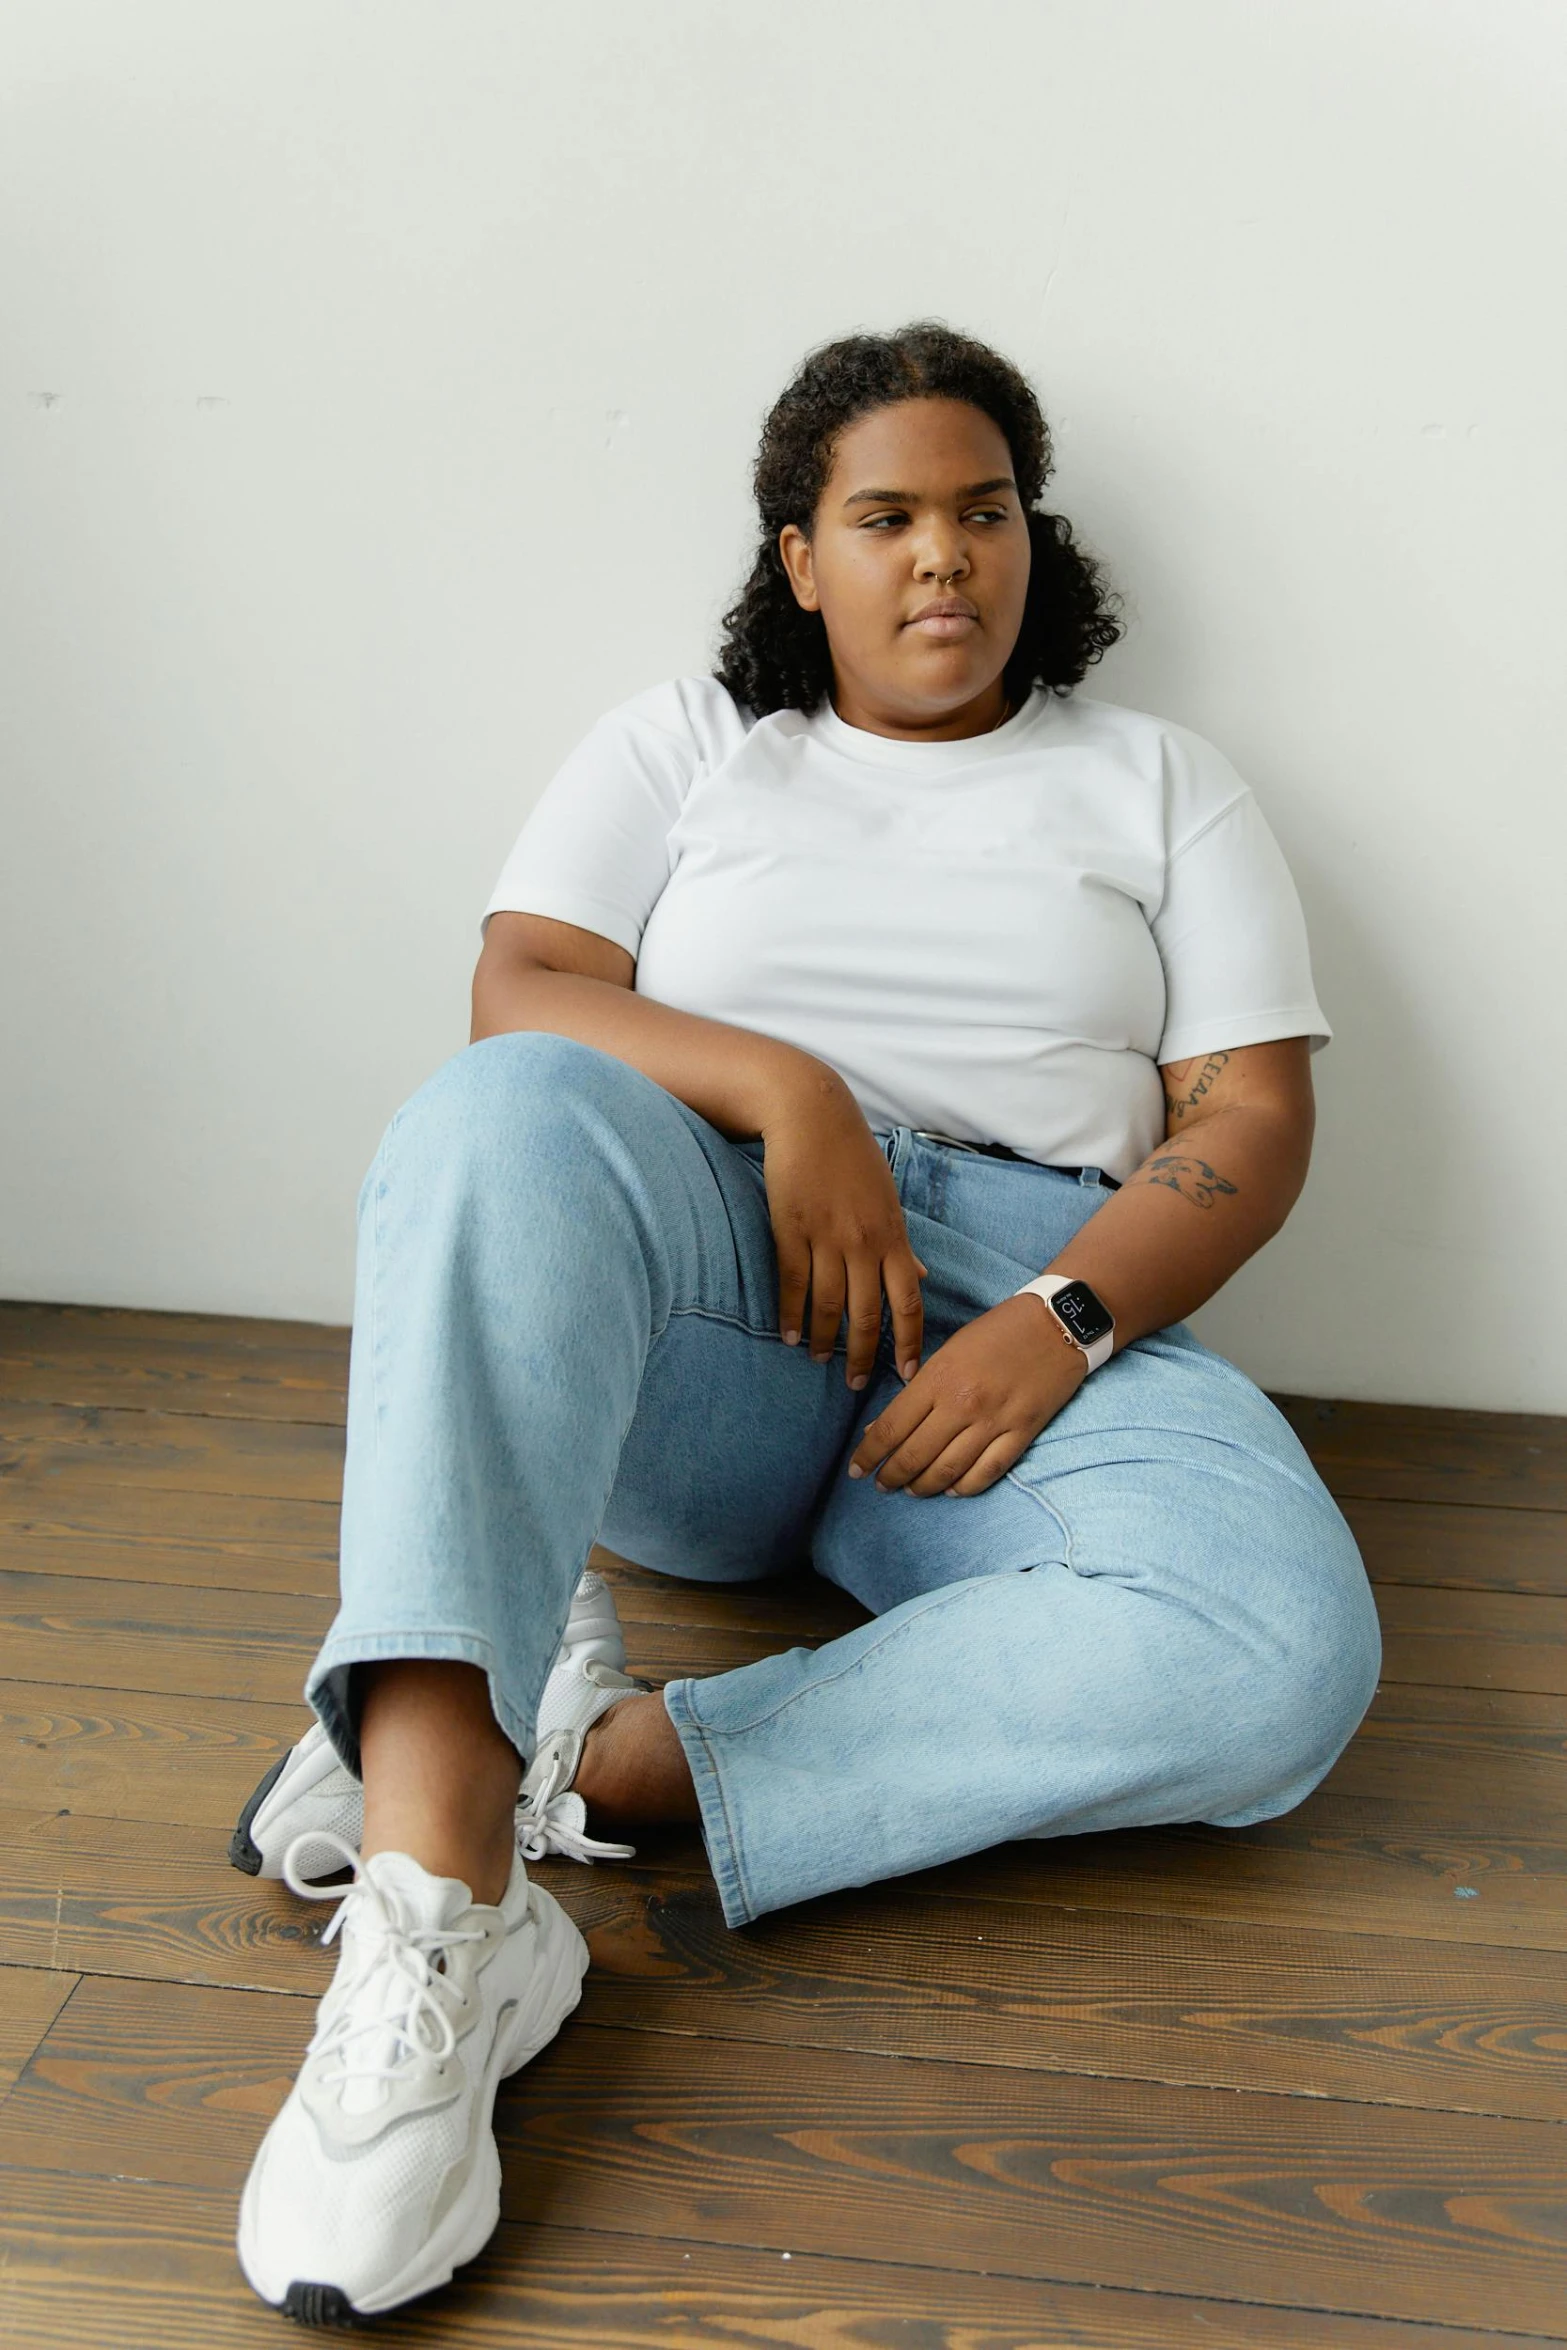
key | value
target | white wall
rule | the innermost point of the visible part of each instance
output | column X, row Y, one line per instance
column 378, row 381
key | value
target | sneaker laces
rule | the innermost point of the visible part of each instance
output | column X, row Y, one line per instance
column 553, row 1820
column 410, row 1951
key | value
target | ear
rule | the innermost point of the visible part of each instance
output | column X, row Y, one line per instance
column 794, row 550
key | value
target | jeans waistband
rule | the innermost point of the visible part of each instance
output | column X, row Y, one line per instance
column 1002, row 1150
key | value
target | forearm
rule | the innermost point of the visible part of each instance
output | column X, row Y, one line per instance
column 733, row 1077
column 1192, row 1213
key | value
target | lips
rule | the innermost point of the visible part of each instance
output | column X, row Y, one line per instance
column 945, row 609
column 947, row 616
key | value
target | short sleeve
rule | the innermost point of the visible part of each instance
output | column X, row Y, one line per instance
column 594, row 851
column 1232, row 939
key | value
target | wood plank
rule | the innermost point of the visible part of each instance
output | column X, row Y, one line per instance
column 153, row 2268
column 72, row 1357
column 179, row 1915
column 1415, row 1452
column 30, row 1999
column 1474, row 1639
column 155, row 1636
column 249, row 1527
column 76, row 1448
column 1461, row 1549
column 1368, row 2209
column 144, row 1558
column 1282, row 1874
column 129, row 1755
column 137, row 1333
column 1209, row 2004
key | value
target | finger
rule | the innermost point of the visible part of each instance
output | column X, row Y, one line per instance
column 954, row 1461
column 864, row 1319
column 908, row 1309
column 992, row 1463
column 886, row 1432
column 794, row 1274
column 828, row 1283
column 919, row 1448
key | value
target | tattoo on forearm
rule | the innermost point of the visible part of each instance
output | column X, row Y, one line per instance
column 1179, row 1104
column 1194, row 1179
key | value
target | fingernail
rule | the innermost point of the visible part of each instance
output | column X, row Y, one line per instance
column 910, row 1367
column 858, row 1380
column 791, row 1338
column 854, row 1472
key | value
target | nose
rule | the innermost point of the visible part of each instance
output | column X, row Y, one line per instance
column 942, row 558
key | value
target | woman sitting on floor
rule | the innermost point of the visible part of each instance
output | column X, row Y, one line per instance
column 663, row 1258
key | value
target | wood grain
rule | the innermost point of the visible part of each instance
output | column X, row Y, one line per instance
column 30, row 1999
column 1363, row 2208
column 77, row 1447
column 1474, row 1639
column 216, row 1363
column 1409, row 1452
column 1461, row 1549
column 1167, row 1999
column 240, row 1542
column 1009, row 1983
column 128, row 1755
column 1171, row 2082
column 153, row 2268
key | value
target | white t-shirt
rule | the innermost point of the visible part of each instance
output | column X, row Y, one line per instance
column 997, row 940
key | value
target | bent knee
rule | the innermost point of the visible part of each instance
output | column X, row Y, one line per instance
column 1299, row 1706
column 528, row 1084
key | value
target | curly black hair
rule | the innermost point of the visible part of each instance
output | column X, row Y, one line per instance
column 773, row 655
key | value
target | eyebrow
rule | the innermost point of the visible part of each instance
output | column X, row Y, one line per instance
column 975, row 489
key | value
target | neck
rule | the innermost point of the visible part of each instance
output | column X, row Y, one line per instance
column 982, row 715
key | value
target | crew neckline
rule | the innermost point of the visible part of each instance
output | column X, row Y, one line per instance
column 886, row 750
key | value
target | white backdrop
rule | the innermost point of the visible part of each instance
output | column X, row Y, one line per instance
column 380, row 379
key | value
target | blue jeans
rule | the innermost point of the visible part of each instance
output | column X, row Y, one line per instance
column 566, row 1330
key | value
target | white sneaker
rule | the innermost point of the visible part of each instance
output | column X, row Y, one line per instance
column 310, row 1793
column 380, row 2174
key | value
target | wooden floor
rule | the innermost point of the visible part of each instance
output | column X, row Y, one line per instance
column 1301, row 2084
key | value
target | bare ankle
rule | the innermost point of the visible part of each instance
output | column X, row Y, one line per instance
column 633, row 1771
column 440, row 1775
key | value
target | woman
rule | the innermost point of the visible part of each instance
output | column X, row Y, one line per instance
column 883, row 867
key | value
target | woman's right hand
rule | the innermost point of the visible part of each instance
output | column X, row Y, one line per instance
column 838, row 1228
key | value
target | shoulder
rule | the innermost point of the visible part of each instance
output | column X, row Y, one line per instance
column 1195, row 782
column 693, row 716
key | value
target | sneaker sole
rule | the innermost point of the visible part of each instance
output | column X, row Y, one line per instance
column 473, row 2218
column 244, row 1852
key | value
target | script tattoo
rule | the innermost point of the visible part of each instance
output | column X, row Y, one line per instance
column 1179, row 1104
column 1194, row 1179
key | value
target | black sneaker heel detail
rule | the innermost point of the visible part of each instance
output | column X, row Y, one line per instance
column 319, row 2305
column 245, row 1853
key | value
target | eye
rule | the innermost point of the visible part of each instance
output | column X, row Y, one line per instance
column 875, row 521
column 987, row 514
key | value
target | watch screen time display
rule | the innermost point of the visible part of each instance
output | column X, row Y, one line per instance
column 1077, row 1307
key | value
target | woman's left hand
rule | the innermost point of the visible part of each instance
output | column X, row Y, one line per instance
column 975, row 1406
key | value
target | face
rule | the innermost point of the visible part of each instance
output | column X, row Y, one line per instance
column 917, row 560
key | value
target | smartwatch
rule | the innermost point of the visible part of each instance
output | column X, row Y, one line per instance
column 1086, row 1322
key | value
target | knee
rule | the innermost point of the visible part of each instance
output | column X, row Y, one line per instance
column 515, row 1093
column 1302, row 1692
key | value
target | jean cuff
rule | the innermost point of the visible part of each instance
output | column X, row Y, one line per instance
column 718, row 1827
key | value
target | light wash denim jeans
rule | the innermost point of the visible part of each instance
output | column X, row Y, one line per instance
column 565, row 1330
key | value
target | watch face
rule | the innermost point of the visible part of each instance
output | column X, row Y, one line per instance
column 1077, row 1307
